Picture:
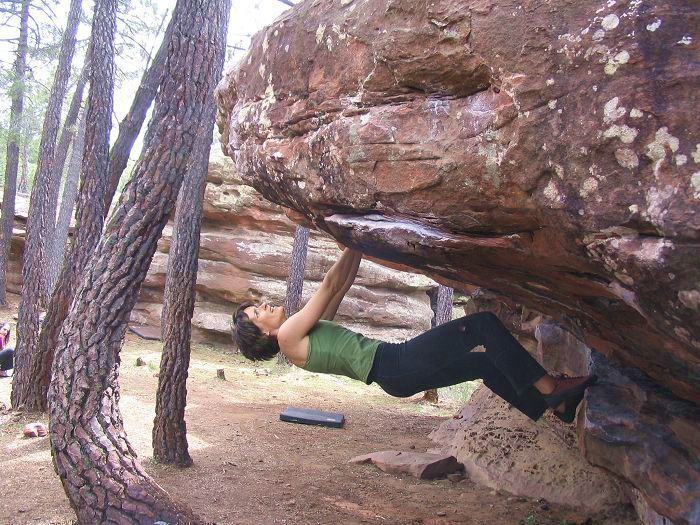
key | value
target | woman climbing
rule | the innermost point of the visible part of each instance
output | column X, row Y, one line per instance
column 437, row 358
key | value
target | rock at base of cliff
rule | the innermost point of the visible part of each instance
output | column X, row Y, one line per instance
column 417, row 464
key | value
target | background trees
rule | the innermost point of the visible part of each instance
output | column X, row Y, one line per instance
column 91, row 453
column 13, row 146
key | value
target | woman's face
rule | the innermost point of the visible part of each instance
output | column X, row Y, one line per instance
column 4, row 330
column 267, row 318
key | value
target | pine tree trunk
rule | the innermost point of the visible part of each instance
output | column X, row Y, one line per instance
column 70, row 195
column 22, row 185
column 169, row 427
column 441, row 304
column 13, row 142
column 40, row 209
column 56, row 242
column 90, row 216
column 68, row 130
column 95, row 462
column 295, row 278
column 130, row 126
column 443, row 309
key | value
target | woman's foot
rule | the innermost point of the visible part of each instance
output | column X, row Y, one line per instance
column 566, row 412
column 569, row 391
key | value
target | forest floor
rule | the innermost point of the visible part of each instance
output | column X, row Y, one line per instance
column 251, row 468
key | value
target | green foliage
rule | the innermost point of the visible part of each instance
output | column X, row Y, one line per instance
column 459, row 393
column 530, row 519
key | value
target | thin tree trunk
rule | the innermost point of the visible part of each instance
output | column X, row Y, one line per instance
column 57, row 241
column 443, row 309
column 70, row 195
column 441, row 304
column 68, row 130
column 95, row 462
column 131, row 124
column 295, row 278
column 22, row 186
column 33, row 270
column 13, row 141
column 169, row 426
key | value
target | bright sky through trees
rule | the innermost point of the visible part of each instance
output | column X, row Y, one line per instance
column 247, row 18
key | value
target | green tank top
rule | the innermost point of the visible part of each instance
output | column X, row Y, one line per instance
column 337, row 350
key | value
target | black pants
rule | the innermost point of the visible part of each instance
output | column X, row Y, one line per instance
column 441, row 357
column 6, row 359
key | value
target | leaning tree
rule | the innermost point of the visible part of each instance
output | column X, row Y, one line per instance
column 100, row 178
column 13, row 141
column 31, row 392
column 42, row 205
column 96, row 464
column 169, row 426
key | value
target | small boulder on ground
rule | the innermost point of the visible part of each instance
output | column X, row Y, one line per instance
column 33, row 430
column 417, row 464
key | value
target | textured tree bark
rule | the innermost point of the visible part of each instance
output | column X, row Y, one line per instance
column 22, row 184
column 91, row 212
column 98, row 468
column 33, row 270
column 13, row 141
column 441, row 303
column 55, row 248
column 169, row 426
column 130, row 126
column 295, row 279
column 70, row 196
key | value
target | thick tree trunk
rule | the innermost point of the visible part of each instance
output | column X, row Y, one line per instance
column 91, row 211
column 97, row 466
column 169, row 426
column 295, row 278
column 441, row 304
column 55, row 243
column 130, row 126
column 13, row 142
column 40, row 209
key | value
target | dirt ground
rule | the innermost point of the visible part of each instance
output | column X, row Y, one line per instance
column 251, row 468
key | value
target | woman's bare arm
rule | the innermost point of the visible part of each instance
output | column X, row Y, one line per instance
column 332, row 308
column 294, row 329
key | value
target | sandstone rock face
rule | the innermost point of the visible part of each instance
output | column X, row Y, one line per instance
column 503, row 449
column 641, row 432
column 628, row 425
column 546, row 150
column 244, row 253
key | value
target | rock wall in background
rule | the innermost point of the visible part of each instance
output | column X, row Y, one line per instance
column 244, row 253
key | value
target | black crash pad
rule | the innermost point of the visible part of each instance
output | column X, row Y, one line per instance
column 309, row 416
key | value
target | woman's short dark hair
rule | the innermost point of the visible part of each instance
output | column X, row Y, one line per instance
column 252, row 343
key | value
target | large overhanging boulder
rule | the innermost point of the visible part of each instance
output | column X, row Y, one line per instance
column 548, row 151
